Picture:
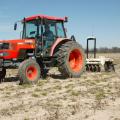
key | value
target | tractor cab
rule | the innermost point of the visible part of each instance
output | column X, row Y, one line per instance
column 45, row 30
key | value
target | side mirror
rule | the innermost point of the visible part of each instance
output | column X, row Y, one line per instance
column 66, row 19
column 15, row 26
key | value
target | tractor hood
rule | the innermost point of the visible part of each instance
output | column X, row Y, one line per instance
column 11, row 49
column 14, row 44
column 18, row 41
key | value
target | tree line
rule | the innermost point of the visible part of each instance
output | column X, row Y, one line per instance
column 106, row 50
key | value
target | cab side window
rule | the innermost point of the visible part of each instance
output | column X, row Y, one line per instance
column 60, row 30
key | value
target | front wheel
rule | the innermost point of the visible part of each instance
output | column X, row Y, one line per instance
column 29, row 72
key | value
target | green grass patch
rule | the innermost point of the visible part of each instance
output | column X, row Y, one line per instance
column 44, row 93
column 35, row 95
column 42, row 82
column 58, row 87
column 100, row 94
column 75, row 93
column 24, row 86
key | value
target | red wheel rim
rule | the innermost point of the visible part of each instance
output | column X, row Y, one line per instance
column 31, row 73
column 76, row 60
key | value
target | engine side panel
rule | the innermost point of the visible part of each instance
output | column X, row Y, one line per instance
column 15, row 46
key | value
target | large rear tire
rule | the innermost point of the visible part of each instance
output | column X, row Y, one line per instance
column 71, row 59
column 29, row 72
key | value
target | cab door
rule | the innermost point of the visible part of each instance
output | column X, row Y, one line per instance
column 49, row 35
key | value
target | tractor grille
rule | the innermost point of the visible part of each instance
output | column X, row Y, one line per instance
column 4, row 46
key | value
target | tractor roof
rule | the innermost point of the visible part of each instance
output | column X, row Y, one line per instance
column 45, row 17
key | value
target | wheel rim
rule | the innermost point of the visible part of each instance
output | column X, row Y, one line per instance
column 31, row 73
column 76, row 60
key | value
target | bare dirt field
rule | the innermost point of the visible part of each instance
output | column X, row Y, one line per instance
column 93, row 96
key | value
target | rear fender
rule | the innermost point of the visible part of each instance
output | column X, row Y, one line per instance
column 57, row 44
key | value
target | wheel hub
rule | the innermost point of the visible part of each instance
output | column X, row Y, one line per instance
column 75, row 60
column 31, row 73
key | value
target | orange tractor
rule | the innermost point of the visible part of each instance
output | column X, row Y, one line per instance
column 44, row 44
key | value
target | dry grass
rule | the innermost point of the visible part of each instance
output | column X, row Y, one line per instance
column 92, row 96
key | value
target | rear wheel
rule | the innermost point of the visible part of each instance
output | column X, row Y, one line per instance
column 71, row 59
column 29, row 72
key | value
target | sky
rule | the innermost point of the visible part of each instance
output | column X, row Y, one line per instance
column 86, row 18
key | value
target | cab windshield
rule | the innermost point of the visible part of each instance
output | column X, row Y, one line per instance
column 30, row 29
column 33, row 28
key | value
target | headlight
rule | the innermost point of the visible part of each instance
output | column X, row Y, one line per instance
column 4, row 54
column 1, row 54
